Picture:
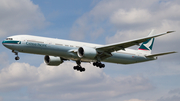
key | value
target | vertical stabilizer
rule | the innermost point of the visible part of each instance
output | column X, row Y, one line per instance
column 147, row 45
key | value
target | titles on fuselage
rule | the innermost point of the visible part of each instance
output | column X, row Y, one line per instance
column 36, row 44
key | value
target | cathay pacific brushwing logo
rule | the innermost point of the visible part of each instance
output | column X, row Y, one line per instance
column 147, row 45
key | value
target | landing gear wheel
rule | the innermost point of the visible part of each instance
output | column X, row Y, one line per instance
column 94, row 64
column 82, row 69
column 16, row 53
column 99, row 64
column 78, row 67
column 75, row 67
column 17, row 58
column 102, row 66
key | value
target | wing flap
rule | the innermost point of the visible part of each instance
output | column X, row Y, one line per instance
column 160, row 54
column 122, row 45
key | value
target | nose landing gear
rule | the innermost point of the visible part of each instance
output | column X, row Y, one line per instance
column 17, row 58
column 16, row 53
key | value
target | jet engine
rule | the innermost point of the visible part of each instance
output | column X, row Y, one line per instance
column 52, row 60
column 87, row 52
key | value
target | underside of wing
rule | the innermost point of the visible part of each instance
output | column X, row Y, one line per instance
column 122, row 45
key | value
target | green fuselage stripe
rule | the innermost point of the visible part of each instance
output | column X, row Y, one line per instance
column 10, row 42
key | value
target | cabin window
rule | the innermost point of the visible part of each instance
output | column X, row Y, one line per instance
column 9, row 38
column 35, row 41
column 59, row 44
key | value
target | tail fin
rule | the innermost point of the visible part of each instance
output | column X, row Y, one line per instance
column 147, row 45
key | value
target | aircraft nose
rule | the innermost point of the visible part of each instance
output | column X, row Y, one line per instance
column 3, row 42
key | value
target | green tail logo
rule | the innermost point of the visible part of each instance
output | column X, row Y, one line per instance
column 147, row 45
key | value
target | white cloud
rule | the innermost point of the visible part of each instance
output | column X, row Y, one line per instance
column 62, row 82
column 164, row 18
column 126, row 35
column 19, row 16
column 90, row 22
column 3, row 59
column 126, row 20
column 101, row 15
column 134, row 16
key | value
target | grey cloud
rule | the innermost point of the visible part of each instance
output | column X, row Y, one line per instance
column 137, row 100
column 174, row 91
column 173, row 98
column 64, row 83
column 173, row 95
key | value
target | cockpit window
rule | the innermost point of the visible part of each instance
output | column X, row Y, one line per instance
column 9, row 38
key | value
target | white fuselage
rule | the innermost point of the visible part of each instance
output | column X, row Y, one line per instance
column 64, row 48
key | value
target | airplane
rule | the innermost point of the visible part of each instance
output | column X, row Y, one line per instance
column 57, row 51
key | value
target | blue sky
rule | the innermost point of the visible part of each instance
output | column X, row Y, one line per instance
column 94, row 21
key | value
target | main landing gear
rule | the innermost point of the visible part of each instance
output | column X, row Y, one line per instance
column 79, row 67
column 99, row 64
column 16, row 53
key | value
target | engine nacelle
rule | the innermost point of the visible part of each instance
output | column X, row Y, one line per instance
column 87, row 52
column 52, row 60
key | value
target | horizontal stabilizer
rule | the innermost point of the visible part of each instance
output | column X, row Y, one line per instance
column 153, row 55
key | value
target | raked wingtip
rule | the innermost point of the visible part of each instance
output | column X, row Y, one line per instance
column 170, row 31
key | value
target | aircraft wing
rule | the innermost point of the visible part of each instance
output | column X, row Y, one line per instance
column 122, row 45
